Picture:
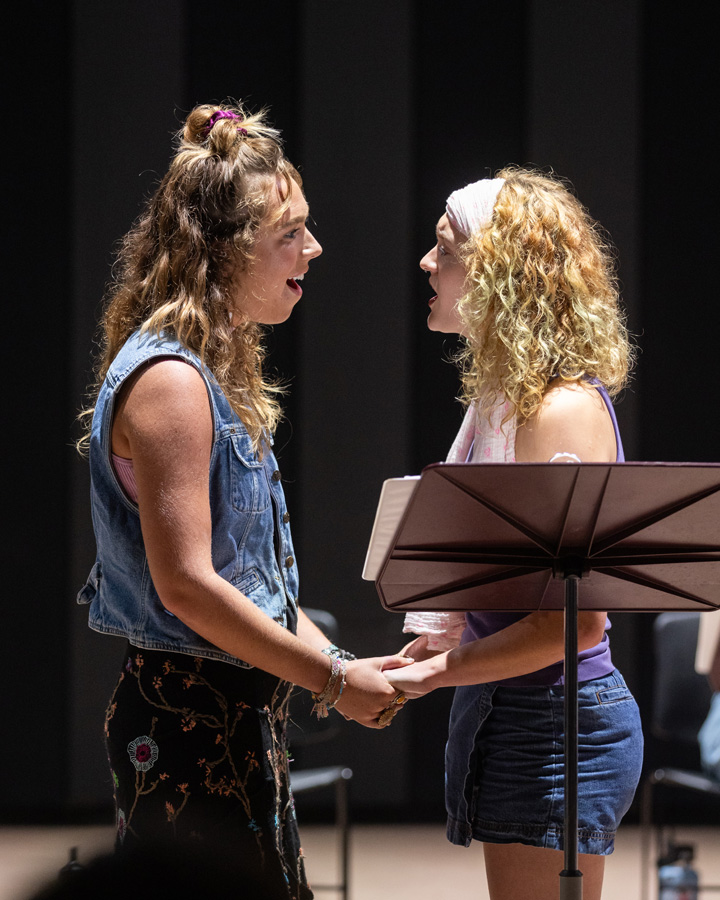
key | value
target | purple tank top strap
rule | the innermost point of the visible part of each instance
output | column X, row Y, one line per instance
column 602, row 390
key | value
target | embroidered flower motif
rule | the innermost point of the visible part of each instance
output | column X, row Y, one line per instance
column 157, row 682
column 188, row 724
column 128, row 665
column 251, row 761
column 116, row 780
column 139, row 661
column 143, row 752
column 253, row 826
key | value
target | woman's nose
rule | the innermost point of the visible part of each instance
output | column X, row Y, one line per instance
column 429, row 262
column 312, row 247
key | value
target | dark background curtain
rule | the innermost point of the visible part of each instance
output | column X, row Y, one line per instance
column 385, row 108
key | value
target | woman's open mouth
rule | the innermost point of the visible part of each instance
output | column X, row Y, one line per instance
column 292, row 283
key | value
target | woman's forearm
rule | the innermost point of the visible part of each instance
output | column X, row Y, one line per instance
column 532, row 643
column 228, row 619
column 222, row 615
column 310, row 633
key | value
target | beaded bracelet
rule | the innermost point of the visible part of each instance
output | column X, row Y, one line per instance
column 327, row 698
column 332, row 650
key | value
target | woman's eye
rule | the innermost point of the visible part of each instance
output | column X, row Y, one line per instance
column 442, row 251
column 291, row 235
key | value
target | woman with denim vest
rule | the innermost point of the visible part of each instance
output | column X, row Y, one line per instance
column 195, row 563
column 520, row 271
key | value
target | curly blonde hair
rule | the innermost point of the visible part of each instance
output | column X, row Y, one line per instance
column 176, row 267
column 541, row 298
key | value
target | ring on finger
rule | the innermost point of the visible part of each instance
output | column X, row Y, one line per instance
column 391, row 710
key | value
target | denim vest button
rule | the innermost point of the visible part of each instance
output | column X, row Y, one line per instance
column 286, row 517
column 276, row 476
column 289, row 560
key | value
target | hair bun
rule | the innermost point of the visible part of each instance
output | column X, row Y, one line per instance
column 221, row 122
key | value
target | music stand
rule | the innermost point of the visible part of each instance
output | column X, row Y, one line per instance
column 643, row 537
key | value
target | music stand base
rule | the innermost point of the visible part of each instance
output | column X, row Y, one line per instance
column 571, row 885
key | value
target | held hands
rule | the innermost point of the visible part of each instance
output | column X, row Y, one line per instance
column 376, row 688
column 418, row 649
column 367, row 693
column 411, row 680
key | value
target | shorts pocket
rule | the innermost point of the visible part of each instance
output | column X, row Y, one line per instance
column 613, row 694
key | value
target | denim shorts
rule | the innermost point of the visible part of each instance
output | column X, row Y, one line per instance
column 505, row 764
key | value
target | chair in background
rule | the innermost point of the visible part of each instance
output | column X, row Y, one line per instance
column 306, row 730
column 681, row 701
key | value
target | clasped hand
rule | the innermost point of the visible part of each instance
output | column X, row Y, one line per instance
column 373, row 684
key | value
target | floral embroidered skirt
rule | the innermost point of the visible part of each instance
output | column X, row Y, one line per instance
column 198, row 756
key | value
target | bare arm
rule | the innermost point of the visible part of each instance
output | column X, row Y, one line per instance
column 163, row 423
column 574, row 420
column 309, row 633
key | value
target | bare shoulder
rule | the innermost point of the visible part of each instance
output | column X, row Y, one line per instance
column 572, row 418
column 572, row 399
column 165, row 398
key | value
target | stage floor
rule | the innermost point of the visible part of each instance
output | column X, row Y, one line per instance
column 399, row 861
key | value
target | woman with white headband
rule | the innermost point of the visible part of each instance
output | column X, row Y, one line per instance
column 520, row 271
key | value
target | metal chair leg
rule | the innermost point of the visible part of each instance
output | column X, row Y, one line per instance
column 342, row 820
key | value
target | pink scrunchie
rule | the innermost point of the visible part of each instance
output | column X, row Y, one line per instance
column 222, row 114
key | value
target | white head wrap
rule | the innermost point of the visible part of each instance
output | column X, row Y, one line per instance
column 471, row 208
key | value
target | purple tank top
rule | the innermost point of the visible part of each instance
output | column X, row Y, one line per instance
column 593, row 663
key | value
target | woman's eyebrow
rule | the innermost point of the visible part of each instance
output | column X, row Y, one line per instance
column 296, row 220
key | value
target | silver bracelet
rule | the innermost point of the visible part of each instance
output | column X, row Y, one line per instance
column 327, row 698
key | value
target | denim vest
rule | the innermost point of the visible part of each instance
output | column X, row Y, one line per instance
column 251, row 543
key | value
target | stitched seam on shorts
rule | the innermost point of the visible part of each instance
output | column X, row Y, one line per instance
column 555, row 783
column 504, row 827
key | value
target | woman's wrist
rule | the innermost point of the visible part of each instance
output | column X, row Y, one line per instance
column 433, row 671
column 333, row 651
column 326, row 699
